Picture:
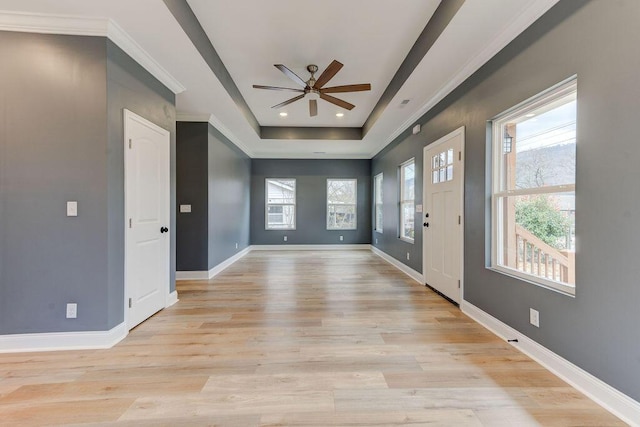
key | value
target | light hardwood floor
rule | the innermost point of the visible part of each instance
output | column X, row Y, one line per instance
column 297, row 338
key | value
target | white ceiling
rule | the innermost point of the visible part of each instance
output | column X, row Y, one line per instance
column 370, row 37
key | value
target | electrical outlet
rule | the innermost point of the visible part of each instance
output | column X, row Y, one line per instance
column 408, row 256
column 341, row 238
column 376, row 240
column 72, row 208
column 534, row 317
column 72, row 310
column 285, row 238
column 236, row 246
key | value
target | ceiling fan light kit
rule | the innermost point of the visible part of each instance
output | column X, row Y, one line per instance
column 314, row 88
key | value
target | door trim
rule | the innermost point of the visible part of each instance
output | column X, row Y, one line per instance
column 425, row 177
column 127, row 114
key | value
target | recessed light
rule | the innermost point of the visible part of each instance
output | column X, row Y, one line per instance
column 283, row 114
column 339, row 114
column 530, row 115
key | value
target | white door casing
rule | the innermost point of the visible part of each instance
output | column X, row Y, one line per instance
column 147, row 209
column 443, row 220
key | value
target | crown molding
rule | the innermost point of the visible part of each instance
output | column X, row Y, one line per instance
column 529, row 15
column 87, row 26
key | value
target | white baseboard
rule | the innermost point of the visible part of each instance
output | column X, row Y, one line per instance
column 286, row 247
column 400, row 266
column 206, row 275
column 172, row 299
column 600, row 392
column 54, row 341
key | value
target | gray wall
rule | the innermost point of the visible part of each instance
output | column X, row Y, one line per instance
column 60, row 140
column 229, row 188
column 311, row 217
column 213, row 177
column 596, row 330
column 130, row 86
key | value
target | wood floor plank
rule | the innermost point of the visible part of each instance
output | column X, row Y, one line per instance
column 300, row 338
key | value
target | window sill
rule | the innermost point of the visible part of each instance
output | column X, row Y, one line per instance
column 561, row 289
column 404, row 239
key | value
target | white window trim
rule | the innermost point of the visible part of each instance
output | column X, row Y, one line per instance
column 377, row 205
column 546, row 97
column 267, row 204
column 355, row 205
column 404, row 201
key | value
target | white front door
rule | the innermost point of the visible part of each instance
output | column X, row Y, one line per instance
column 442, row 239
column 146, row 218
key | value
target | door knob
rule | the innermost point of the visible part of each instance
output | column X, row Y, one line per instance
column 426, row 224
column 163, row 229
column 426, row 215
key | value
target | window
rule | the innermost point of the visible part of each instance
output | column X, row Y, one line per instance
column 533, row 195
column 377, row 200
column 407, row 200
column 280, row 204
column 341, row 204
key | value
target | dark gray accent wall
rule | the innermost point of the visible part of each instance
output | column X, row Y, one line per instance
column 192, row 165
column 61, row 139
column 596, row 330
column 213, row 177
column 311, row 213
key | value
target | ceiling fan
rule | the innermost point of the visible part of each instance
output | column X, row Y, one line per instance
column 315, row 87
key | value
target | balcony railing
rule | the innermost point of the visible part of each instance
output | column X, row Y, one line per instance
column 533, row 256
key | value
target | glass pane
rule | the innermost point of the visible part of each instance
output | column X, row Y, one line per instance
column 450, row 156
column 281, row 191
column 436, row 177
column 379, row 217
column 435, row 164
column 443, row 175
column 378, row 189
column 544, row 146
column 408, row 181
column 341, row 217
column 450, row 173
column 443, row 158
column 281, row 217
column 341, row 191
column 538, row 232
column 407, row 221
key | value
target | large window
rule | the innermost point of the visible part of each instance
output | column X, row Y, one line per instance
column 280, row 204
column 533, row 196
column 407, row 200
column 377, row 200
column 341, row 204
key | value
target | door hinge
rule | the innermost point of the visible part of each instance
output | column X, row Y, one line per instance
column 459, row 220
column 131, row 302
column 458, row 284
column 129, row 143
column 459, row 152
column 130, row 223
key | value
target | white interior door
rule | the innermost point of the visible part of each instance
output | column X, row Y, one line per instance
column 146, row 218
column 443, row 237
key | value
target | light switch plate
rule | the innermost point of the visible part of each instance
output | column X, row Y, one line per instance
column 185, row 208
column 72, row 208
column 419, row 208
column 72, row 310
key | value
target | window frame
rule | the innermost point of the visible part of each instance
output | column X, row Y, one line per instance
column 355, row 205
column 404, row 201
column 267, row 204
column 547, row 97
column 377, row 191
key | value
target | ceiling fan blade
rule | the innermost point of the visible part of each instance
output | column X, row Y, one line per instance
column 313, row 107
column 289, row 101
column 278, row 88
column 328, row 74
column 336, row 101
column 293, row 76
column 346, row 88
